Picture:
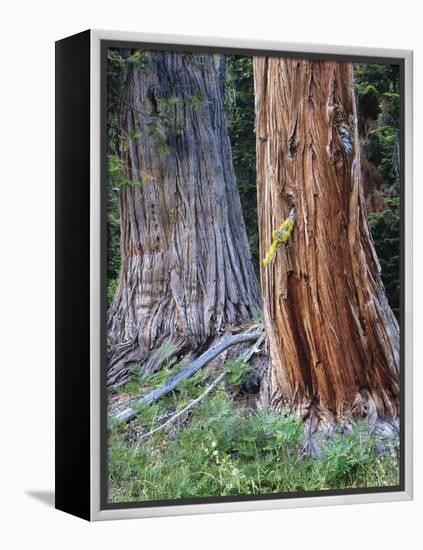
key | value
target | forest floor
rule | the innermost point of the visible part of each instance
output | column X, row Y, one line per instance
column 226, row 446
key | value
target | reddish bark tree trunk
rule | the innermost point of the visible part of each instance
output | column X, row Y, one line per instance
column 333, row 339
column 186, row 273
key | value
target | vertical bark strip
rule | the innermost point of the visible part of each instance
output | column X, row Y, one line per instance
column 186, row 273
column 333, row 339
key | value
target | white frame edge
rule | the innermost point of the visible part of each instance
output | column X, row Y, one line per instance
column 95, row 268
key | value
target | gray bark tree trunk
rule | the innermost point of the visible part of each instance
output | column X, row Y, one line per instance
column 186, row 274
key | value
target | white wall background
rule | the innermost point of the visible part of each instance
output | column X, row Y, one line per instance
column 29, row 29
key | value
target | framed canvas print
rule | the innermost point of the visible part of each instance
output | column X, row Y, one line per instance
column 234, row 292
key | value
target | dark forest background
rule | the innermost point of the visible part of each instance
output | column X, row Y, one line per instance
column 378, row 106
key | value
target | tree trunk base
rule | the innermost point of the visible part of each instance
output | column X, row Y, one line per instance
column 123, row 358
column 127, row 356
column 317, row 433
column 320, row 424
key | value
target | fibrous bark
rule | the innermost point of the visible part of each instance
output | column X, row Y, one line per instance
column 333, row 339
column 186, row 273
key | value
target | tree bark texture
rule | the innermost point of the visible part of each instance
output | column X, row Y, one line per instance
column 333, row 339
column 186, row 274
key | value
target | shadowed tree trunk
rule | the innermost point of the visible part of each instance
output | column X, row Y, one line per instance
column 372, row 183
column 186, row 274
column 333, row 339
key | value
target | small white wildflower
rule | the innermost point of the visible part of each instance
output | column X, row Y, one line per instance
column 215, row 453
column 214, row 444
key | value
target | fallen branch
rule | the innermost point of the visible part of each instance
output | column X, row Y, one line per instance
column 129, row 413
column 188, row 407
column 254, row 349
column 247, row 356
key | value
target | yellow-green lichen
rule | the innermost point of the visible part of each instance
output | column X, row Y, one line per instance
column 280, row 236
